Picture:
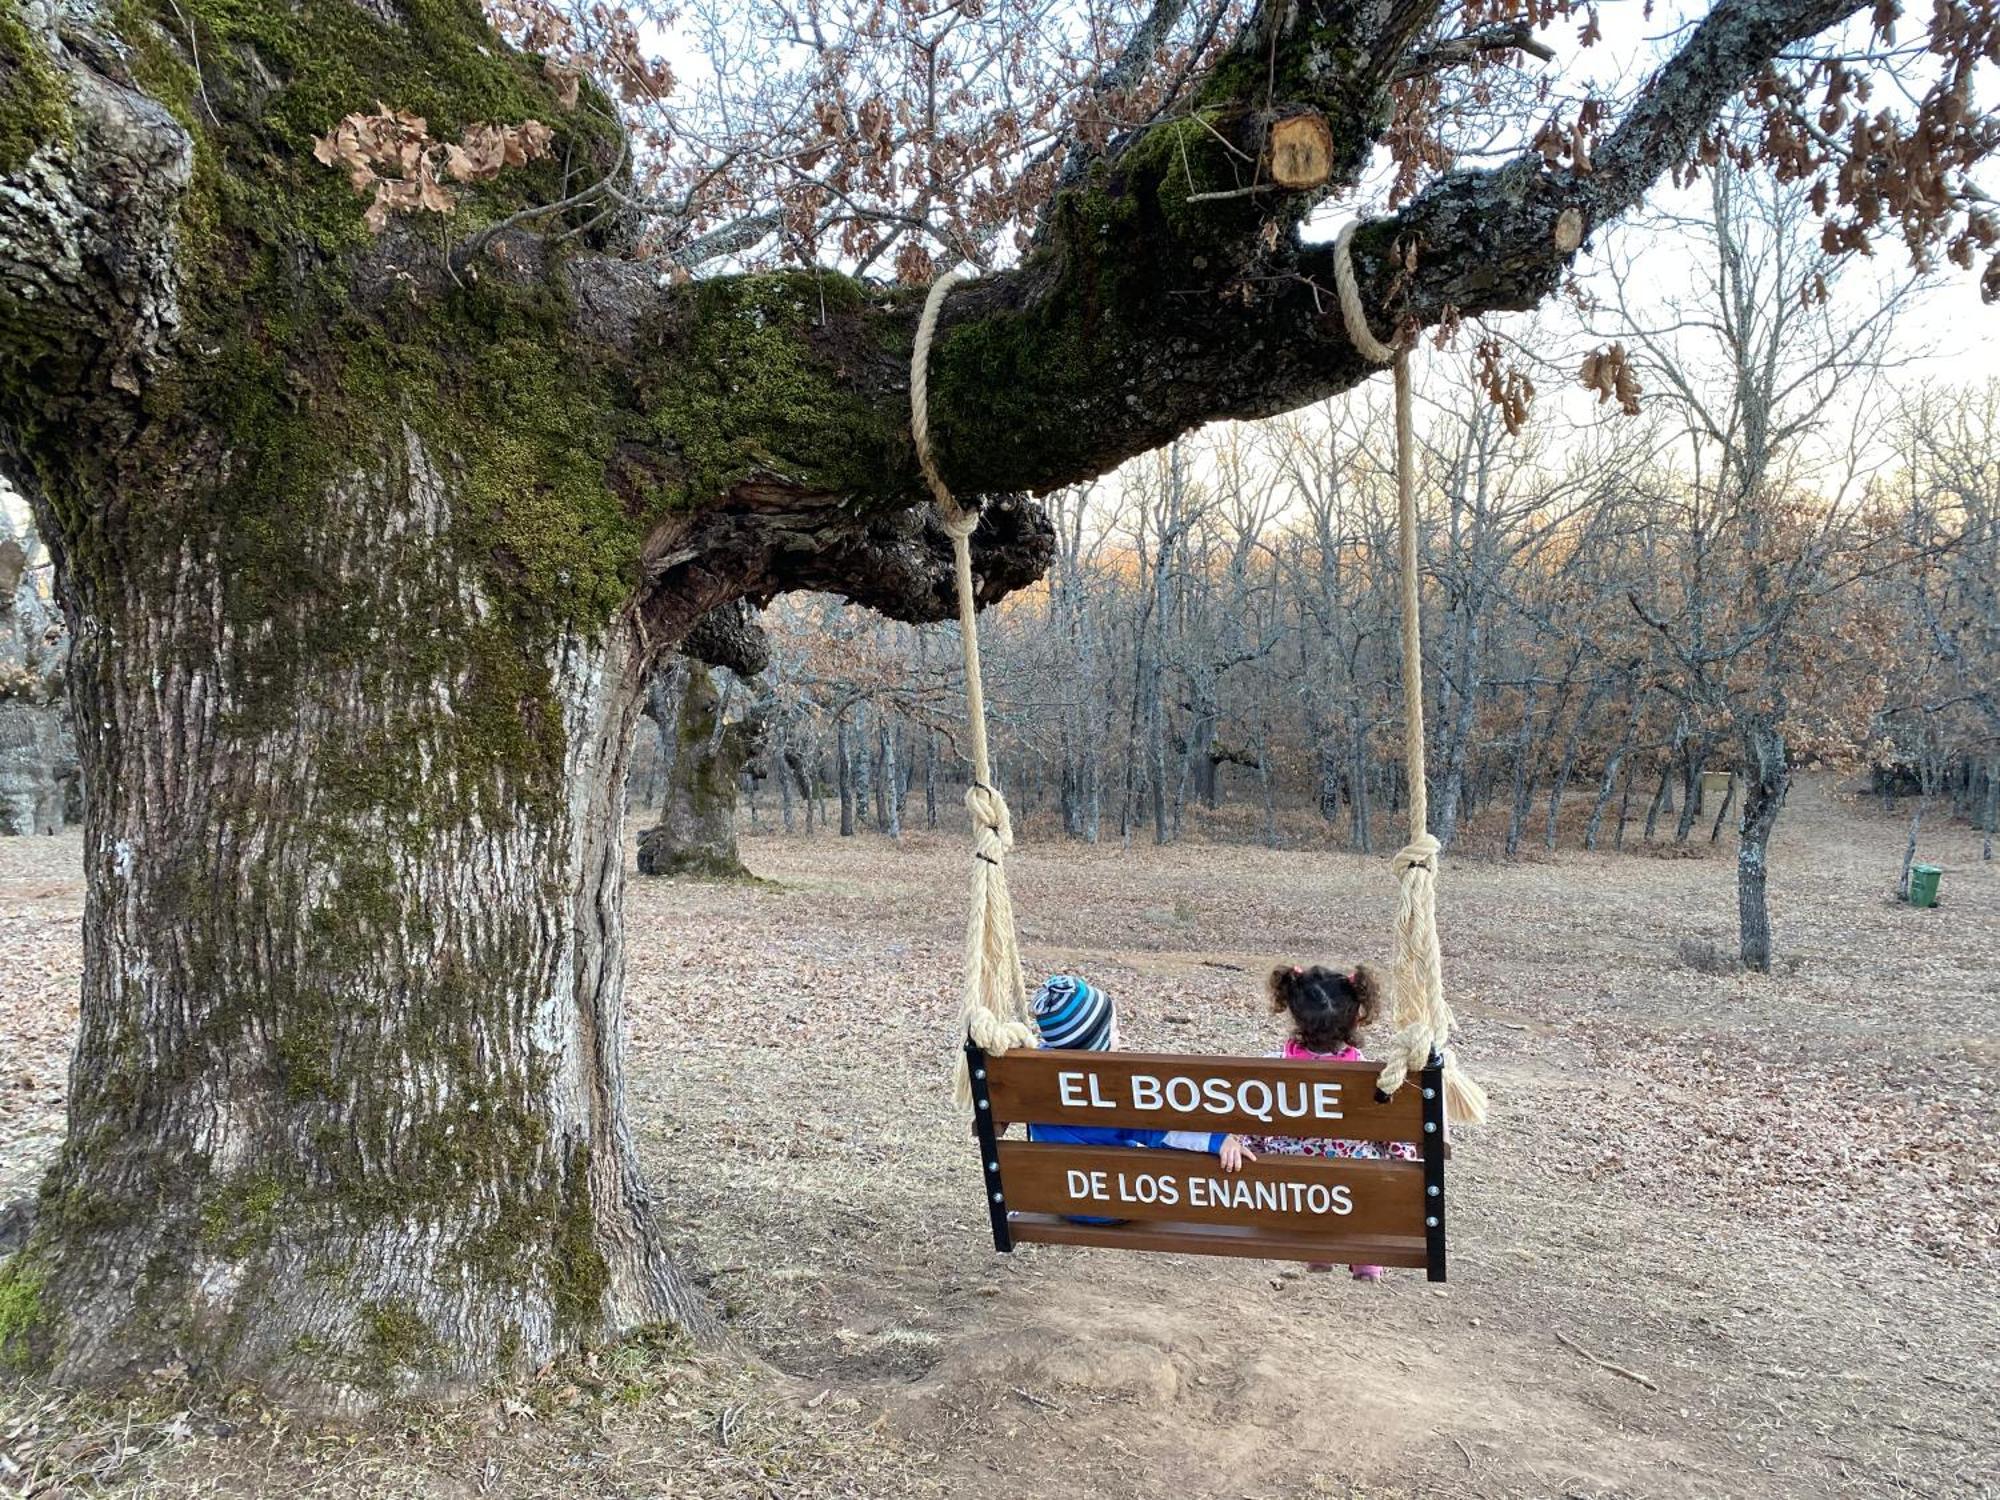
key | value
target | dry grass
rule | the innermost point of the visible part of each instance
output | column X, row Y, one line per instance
column 1774, row 1199
column 651, row 1417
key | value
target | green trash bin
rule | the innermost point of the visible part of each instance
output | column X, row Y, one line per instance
column 1924, row 884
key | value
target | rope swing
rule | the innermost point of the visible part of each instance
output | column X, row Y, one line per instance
column 994, row 995
column 994, row 999
column 1423, row 1018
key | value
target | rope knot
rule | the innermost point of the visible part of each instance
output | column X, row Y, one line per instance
column 1421, row 853
column 997, row 1035
column 992, row 823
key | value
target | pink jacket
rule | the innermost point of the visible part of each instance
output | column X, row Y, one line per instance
column 1297, row 1146
column 1296, row 1050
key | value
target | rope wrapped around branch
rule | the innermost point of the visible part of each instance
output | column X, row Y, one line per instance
column 994, row 995
column 1422, row 1017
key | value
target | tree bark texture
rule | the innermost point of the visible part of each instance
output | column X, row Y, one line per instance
column 696, row 834
column 367, row 550
column 1766, row 776
column 347, row 1113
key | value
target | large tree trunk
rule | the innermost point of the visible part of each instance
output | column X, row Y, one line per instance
column 696, row 834
column 347, row 1115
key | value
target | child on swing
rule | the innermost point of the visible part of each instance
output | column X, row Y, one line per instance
column 1074, row 1013
column 1328, row 1011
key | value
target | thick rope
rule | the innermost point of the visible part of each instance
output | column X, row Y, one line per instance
column 1422, row 1017
column 993, row 999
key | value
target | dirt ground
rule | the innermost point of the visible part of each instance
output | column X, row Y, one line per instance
column 1724, row 1236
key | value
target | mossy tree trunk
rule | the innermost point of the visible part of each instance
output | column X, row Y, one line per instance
column 368, row 548
column 347, row 1113
column 705, row 756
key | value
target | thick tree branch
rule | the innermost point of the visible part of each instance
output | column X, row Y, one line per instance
column 89, row 273
column 774, row 408
column 1150, row 310
column 770, row 540
column 1151, row 316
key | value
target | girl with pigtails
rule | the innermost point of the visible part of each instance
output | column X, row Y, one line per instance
column 1328, row 1011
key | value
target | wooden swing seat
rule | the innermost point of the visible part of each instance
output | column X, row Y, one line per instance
column 1386, row 1212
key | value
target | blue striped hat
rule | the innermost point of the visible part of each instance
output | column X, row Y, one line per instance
column 1073, row 1014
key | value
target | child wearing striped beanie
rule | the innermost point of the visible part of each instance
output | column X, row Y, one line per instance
column 1076, row 1015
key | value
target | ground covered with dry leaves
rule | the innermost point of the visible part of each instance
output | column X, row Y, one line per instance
column 1724, row 1235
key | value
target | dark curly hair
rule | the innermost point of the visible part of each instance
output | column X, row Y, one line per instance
column 1328, row 1008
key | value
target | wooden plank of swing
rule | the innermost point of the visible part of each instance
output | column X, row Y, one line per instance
column 1175, row 1091
column 1300, row 1195
column 1220, row 1239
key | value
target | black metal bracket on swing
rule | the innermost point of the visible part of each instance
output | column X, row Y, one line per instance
column 1388, row 1212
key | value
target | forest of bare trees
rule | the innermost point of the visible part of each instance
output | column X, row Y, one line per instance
column 1785, row 558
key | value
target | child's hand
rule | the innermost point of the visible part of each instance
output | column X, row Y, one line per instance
column 1234, row 1153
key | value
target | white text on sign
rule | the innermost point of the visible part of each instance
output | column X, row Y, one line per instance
column 1103, row 1189
column 1312, row 1100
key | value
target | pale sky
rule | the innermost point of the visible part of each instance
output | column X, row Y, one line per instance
column 1945, row 334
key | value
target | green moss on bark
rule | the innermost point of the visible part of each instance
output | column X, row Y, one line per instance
column 403, row 694
column 394, row 1337
column 1135, row 231
column 34, row 96
column 20, row 1309
column 744, row 385
column 239, row 1216
column 578, row 1276
column 295, row 379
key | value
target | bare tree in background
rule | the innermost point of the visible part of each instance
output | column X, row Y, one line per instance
column 1949, row 444
column 1759, row 369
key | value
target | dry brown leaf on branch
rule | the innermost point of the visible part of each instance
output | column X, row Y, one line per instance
column 1609, row 373
column 392, row 157
column 1504, row 385
column 568, row 79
